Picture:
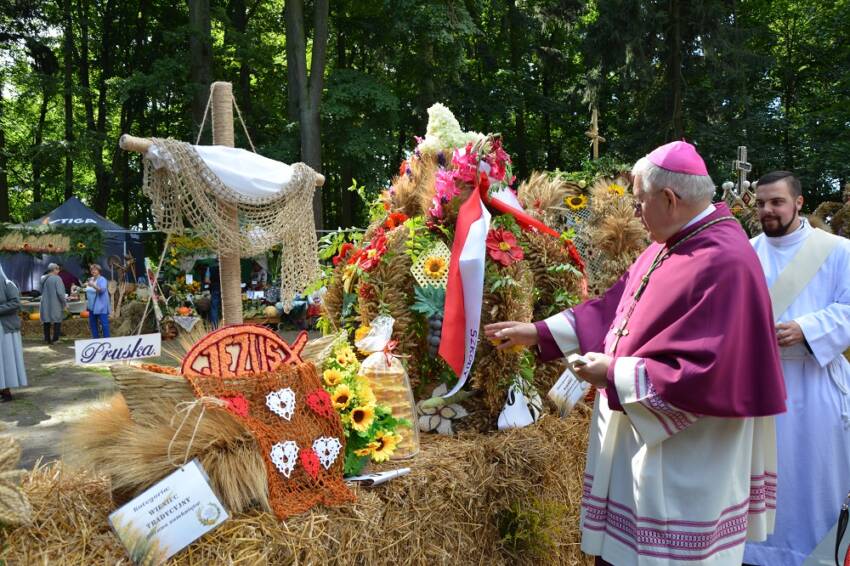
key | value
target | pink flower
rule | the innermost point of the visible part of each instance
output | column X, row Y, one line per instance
column 498, row 160
column 466, row 165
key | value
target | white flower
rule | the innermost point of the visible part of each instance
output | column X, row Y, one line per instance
column 444, row 133
column 439, row 419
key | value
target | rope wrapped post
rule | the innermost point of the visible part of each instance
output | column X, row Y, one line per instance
column 228, row 259
column 183, row 188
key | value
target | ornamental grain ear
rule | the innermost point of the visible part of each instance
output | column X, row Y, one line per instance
column 15, row 508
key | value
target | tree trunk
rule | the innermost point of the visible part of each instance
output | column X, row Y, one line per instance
column 239, row 17
column 294, row 27
column 68, row 63
column 520, row 143
column 675, row 70
column 309, row 89
column 37, row 157
column 103, row 175
column 551, row 149
column 4, row 177
column 200, row 53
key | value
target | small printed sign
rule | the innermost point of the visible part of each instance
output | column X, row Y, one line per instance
column 169, row 516
column 567, row 391
column 125, row 348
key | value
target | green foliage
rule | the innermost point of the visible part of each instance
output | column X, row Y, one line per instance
column 531, row 527
column 429, row 300
column 768, row 75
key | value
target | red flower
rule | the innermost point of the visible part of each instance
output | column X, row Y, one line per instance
column 370, row 256
column 502, row 247
column 366, row 291
column 310, row 462
column 320, row 402
column 395, row 219
column 344, row 250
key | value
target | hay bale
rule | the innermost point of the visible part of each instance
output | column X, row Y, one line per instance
column 501, row 498
column 144, row 391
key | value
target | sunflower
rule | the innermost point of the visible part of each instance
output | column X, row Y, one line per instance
column 387, row 443
column 576, row 202
column 617, row 189
column 362, row 418
column 435, row 267
column 345, row 357
column 367, row 450
column 365, row 393
column 333, row 377
column 81, row 246
column 341, row 397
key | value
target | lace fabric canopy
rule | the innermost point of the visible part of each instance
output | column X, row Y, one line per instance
column 204, row 185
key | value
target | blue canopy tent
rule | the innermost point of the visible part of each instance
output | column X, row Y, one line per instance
column 26, row 270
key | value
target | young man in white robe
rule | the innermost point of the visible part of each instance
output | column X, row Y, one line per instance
column 808, row 273
column 681, row 462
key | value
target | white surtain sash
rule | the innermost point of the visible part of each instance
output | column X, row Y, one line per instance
column 801, row 270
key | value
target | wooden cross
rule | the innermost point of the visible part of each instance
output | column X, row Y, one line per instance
column 593, row 133
column 742, row 167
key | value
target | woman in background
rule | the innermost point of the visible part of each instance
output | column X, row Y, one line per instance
column 97, row 292
column 12, row 371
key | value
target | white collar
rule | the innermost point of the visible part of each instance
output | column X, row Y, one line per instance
column 794, row 237
column 709, row 209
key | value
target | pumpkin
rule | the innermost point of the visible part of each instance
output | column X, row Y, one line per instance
column 270, row 311
column 184, row 311
column 84, row 314
column 35, row 316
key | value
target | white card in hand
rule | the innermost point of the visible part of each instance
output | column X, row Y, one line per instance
column 567, row 391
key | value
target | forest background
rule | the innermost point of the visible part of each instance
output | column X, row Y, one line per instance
column 344, row 86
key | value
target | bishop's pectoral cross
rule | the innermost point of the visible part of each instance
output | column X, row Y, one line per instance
column 619, row 333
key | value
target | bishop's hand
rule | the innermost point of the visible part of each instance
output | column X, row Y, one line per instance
column 512, row 334
column 595, row 372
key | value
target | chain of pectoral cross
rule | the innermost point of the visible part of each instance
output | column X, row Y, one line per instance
column 662, row 254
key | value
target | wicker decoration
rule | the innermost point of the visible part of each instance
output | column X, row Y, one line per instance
column 421, row 272
column 241, row 350
column 303, row 453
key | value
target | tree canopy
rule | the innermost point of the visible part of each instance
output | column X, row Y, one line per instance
column 345, row 86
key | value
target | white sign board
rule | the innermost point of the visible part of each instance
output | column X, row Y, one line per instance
column 169, row 516
column 110, row 350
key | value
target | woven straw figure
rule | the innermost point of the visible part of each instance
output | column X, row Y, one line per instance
column 299, row 433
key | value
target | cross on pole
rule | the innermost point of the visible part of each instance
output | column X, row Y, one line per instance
column 742, row 167
column 593, row 133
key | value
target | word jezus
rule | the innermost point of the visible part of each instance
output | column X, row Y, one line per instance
column 117, row 349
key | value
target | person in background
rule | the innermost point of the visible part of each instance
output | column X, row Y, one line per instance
column 97, row 293
column 68, row 279
column 213, row 282
column 52, row 307
column 12, row 370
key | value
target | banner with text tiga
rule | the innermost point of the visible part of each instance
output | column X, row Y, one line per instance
column 111, row 350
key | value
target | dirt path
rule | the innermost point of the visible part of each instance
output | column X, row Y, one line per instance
column 59, row 394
